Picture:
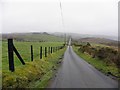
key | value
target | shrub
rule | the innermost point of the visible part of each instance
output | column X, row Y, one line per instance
column 109, row 55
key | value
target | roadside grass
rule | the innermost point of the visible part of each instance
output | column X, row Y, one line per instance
column 54, row 61
column 24, row 50
column 34, row 74
column 99, row 64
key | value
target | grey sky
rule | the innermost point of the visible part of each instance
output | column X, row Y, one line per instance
column 80, row 16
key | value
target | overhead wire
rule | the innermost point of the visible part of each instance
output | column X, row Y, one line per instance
column 61, row 13
column 63, row 25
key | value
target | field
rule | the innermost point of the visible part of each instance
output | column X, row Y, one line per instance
column 24, row 50
column 41, row 37
column 41, row 70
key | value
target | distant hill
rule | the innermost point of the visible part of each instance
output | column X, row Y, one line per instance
column 34, row 36
column 99, row 41
column 78, row 36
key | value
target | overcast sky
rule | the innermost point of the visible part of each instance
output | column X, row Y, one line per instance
column 80, row 16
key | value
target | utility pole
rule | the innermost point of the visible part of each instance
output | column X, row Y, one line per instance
column 65, row 39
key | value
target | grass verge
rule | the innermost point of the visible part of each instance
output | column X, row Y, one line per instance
column 99, row 64
column 34, row 74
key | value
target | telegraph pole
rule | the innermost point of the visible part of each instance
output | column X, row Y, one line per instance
column 65, row 39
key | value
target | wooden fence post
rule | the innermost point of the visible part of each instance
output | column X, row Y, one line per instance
column 11, row 49
column 51, row 49
column 11, row 55
column 31, row 53
column 18, row 55
column 45, row 51
column 40, row 52
column 56, row 48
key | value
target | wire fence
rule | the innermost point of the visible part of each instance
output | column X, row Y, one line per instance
column 43, row 52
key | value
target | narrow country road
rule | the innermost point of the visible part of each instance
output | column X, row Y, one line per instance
column 76, row 73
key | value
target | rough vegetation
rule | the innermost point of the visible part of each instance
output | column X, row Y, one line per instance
column 96, row 40
column 107, row 54
column 98, row 56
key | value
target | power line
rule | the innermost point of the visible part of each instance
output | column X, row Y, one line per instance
column 63, row 25
column 61, row 13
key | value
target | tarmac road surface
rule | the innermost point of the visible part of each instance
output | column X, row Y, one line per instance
column 77, row 73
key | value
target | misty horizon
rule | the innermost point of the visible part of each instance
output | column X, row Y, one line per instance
column 57, row 32
column 73, row 35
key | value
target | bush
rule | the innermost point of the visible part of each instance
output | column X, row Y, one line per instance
column 107, row 54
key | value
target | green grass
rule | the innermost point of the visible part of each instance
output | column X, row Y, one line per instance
column 43, row 37
column 99, row 64
column 24, row 50
column 33, row 74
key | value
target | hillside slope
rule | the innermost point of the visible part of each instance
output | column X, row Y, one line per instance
column 41, row 37
column 99, row 41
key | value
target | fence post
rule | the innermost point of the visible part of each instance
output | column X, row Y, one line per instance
column 54, row 49
column 11, row 55
column 40, row 52
column 31, row 53
column 18, row 55
column 51, row 49
column 45, row 51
